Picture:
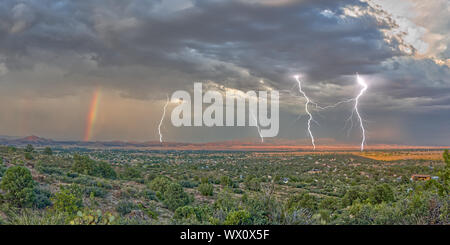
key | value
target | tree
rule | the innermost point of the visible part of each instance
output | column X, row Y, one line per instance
column 175, row 197
column 18, row 184
column 29, row 148
column 48, row 151
column 82, row 164
column 381, row 193
column 353, row 194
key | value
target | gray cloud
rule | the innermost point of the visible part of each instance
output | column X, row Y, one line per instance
column 146, row 48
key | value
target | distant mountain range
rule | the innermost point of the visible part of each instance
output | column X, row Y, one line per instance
column 234, row 145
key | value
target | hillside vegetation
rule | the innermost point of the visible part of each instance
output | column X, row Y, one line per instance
column 79, row 186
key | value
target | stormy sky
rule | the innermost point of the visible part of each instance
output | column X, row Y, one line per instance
column 54, row 55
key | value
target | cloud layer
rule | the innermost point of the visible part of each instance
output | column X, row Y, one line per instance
column 140, row 50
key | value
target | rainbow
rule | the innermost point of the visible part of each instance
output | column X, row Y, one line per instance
column 92, row 115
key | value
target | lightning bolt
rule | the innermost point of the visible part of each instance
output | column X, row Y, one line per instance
column 307, row 110
column 362, row 83
column 162, row 119
column 363, row 89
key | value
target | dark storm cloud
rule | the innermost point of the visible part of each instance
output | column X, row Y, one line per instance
column 271, row 42
column 147, row 48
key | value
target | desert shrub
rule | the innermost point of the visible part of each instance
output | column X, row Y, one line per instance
column 252, row 183
column 34, row 217
column 301, row 200
column 381, row 193
column 329, row 203
column 353, row 194
column 240, row 217
column 18, row 184
column 68, row 200
column 149, row 210
column 12, row 148
column 72, row 174
column 95, row 191
column 185, row 212
column 48, row 151
column 2, row 167
column 160, row 185
column 206, row 189
column 226, row 181
column 188, row 184
column 148, row 194
column 175, row 197
column 225, row 201
column 125, row 207
column 46, row 169
column 28, row 156
column 130, row 173
column 29, row 148
column 193, row 215
column 42, row 198
column 85, row 165
column 104, row 170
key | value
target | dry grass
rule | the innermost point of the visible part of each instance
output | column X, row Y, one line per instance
column 401, row 155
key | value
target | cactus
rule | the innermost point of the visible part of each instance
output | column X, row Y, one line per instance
column 91, row 217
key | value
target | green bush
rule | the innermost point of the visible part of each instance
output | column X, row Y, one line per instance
column 95, row 191
column 48, row 151
column 188, row 184
column 42, row 198
column 193, row 215
column 125, row 207
column 226, row 181
column 329, row 203
column 240, row 217
column 160, row 185
column 68, row 200
column 381, row 193
column 206, row 189
column 104, row 170
column 252, row 183
column 85, row 165
column 2, row 167
column 29, row 148
column 302, row 200
column 352, row 195
column 148, row 194
column 130, row 173
column 28, row 156
column 175, row 197
column 185, row 212
column 18, row 184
